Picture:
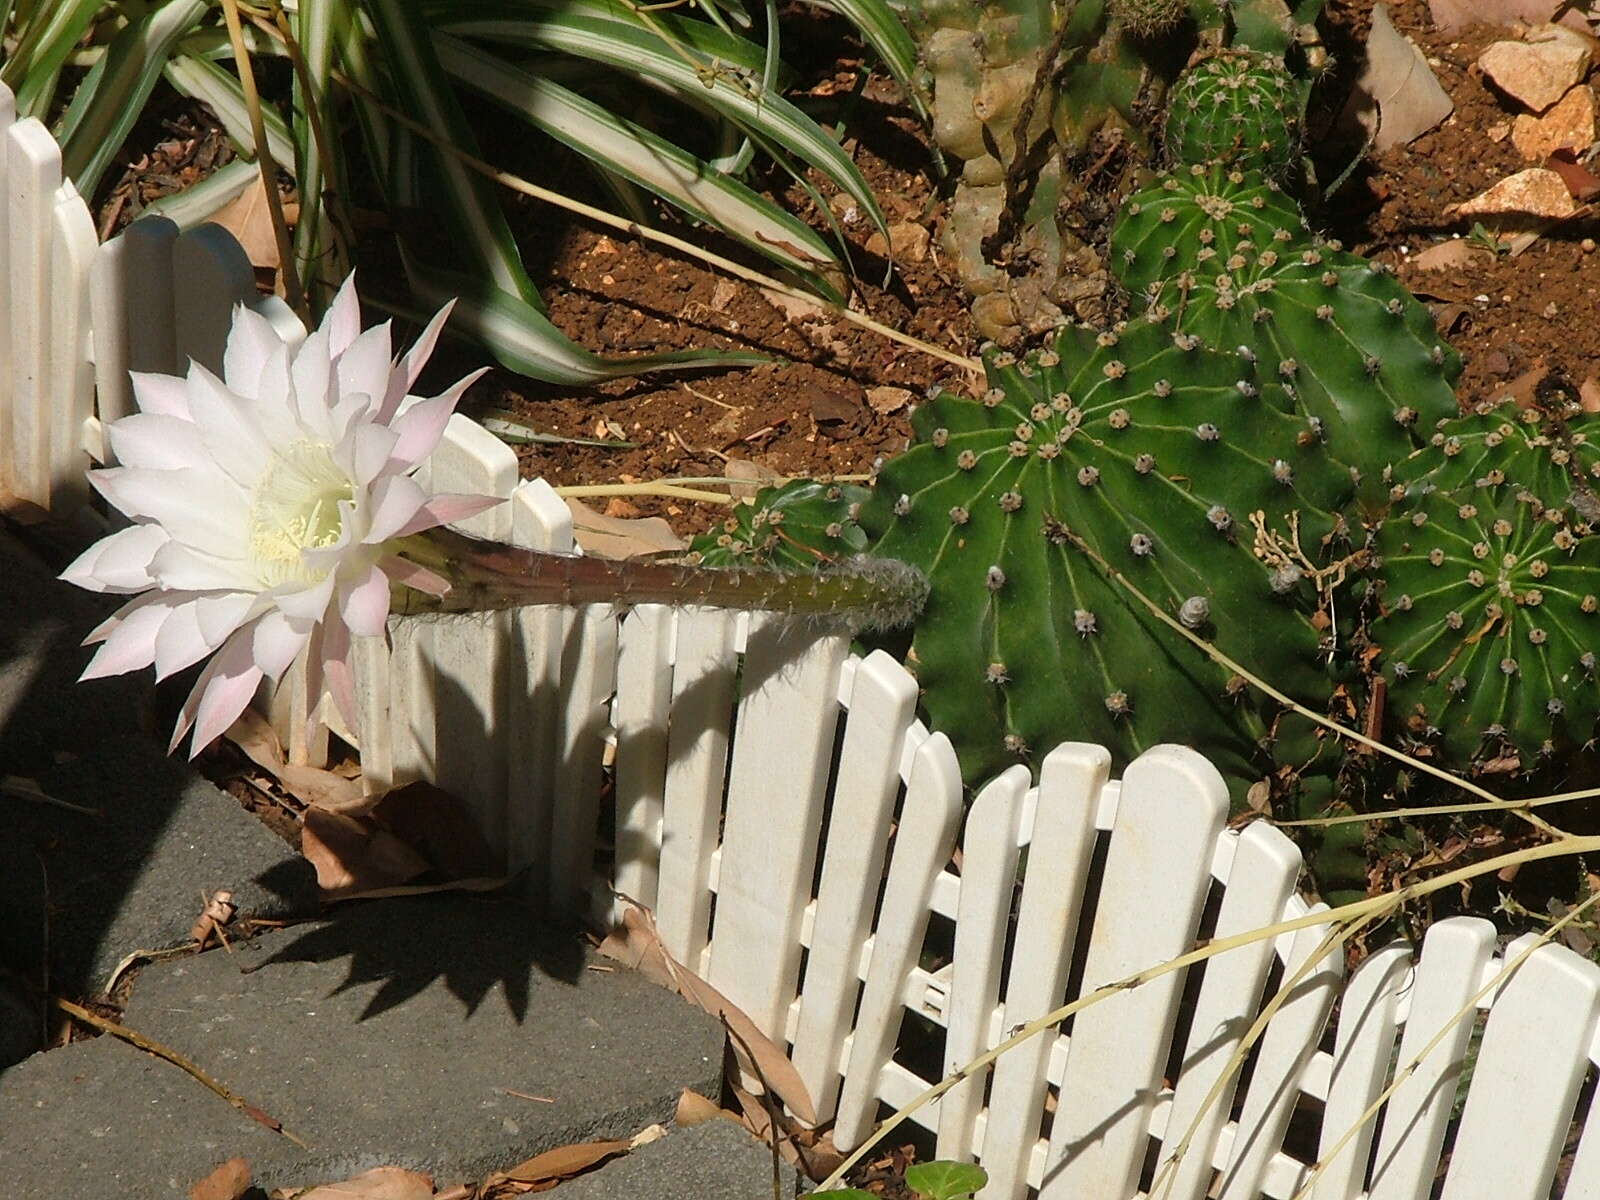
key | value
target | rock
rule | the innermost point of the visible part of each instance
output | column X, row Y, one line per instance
column 1535, row 194
column 907, row 240
column 1499, row 131
column 1537, row 72
column 1569, row 123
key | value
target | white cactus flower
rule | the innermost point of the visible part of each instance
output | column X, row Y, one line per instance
column 263, row 504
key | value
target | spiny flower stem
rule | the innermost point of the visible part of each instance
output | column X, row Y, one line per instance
column 484, row 576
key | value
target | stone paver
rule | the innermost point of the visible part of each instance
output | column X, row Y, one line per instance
column 716, row 1160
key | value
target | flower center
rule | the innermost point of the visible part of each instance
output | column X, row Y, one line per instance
column 295, row 508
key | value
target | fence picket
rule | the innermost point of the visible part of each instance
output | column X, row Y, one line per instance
column 33, row 173
column 1454, row 954
column 1532, row 1060
column 642, row 707
column 216, row 275
column 131, row 306
column 1363, row 1051
column 988, row 877
column 8, row 119
column 540, row 520
column 785, row 729
column 1285, row 1049
column 882, row 705
column 704, row 682
column 1118, row 1047
column 923, row 841
column 1261, row 879
column 588, row 674
column 71, row 378
column 1071, row 781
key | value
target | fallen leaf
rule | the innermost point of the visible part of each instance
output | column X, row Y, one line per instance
column 753, row 477
column 829, row 406
column 249, row 218
column 637, row 943
column 887, row 400
column 1521, row 390
column 380, row 1183
column 614, row 537
column 1581, row 182
column 439, row 826
column 553, row 1166
column 695, row 1109
column 313, row 786
column 1397, row 98
column 1448, row 255
column 353, row 855
column 218, row 912
column 228, row 1182
column 1589, row 394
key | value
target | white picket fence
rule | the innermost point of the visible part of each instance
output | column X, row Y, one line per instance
column 806, row 845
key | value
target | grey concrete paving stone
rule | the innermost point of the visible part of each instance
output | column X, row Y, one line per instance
column 715, row 1160
column 387, row 1033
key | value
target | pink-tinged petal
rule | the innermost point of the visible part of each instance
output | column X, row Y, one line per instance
column 131, row 645
column 230, row 432
column 179, row 643
column 274, row 408
column 220, row 615
column 276, row 640
column 119, row 563
column 395, row 500
column 365, row 606
column 348, row 413
column 156, row 442
column 338, row 676
column 224, row 690
column 366, row 452
column 181, row 568
column 165, row 394
column 342, row 322
column 307, row 603
column 197, row 505
column 251, row 342
column 365, row 366
column 404, row 571
column 405, row 375
column 445, row 509
column 103, row 630
column 422, row 424
column 311, row 377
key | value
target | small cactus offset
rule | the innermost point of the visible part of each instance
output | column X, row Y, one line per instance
column 801, row 525
column 1237, row 108
column 1122, row 452
column 1490, row 604
column 1356, row 353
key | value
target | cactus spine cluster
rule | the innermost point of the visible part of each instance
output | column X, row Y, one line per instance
column 1239, row 108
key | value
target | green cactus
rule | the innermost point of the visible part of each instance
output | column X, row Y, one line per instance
column 1356, row 352
column 1238, row 108
column 1153, row 454
column 798, row 526
column 1490, row 571
column 1149, row 18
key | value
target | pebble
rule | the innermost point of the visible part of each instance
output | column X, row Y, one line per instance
column 1570, row 124
column 1536, row 192
column 1538, row 71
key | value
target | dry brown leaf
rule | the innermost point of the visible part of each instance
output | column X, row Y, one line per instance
column 354, row 855
column 228, row 1182
column 218, row 912
column 550, row 1168
column 638, row 944
column 313, row 786
column 1581, row 182
column 1448, row 255
column 439, row 826
column 1589, row 394
column 380, row 1183
column 611, row 537
column 753, row 477
column 888, row 399
column 249, row 218
column 1522, row 390
column 1397, row 98
column 695, row 1109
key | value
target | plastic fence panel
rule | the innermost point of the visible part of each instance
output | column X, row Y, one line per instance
column 1532, row 1060
column 990, row 855
column 787, row 717
column 1070, row 783
column 8, row 119
column 1171, row 807
column 882, row 706
column 32, row 176
column 1261, row 879
column 1455, row 953
column 923, row 842
column 540, row 520
column 643, row 704
column 704, row 682
column 71, row 379
column 216, row 275
column 588, row 674
column 131, row 310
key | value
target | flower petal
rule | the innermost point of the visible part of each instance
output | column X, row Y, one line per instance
column 223, row 691
column 338, row 676
column 366, row 452
column 276, row 640
column 366, row 365
column 311, row 375
column 445, row 509
column 251, row 343
column 182, row 568
column 155, row 441
column 232, row 436
column 401, row 381
column 404, row 571
column 365, row 606
column 395, row 500
column 163, row 394
column 197, row 506
column 306, row 603
column 179, row 642
column 342, row 322
column 131, row 645
column 119, row 563
column 220, row 615
column 422, row 424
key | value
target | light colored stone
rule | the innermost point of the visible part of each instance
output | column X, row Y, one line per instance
column 1569, row 123
column 1536, row 73
column 1498, row 132
column 888, row 399
column 907, row 239
column 1535, row 193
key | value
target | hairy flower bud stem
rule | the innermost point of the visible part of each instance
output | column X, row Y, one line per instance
column 487, row 576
